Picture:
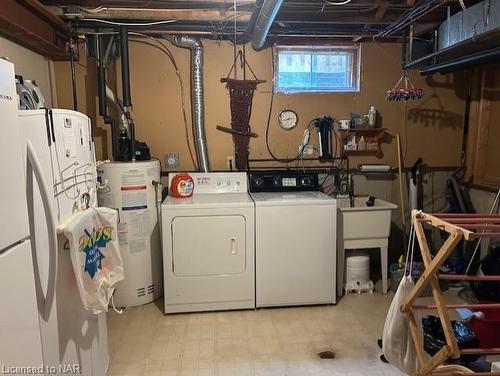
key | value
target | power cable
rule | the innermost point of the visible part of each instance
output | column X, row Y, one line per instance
column 273, row 156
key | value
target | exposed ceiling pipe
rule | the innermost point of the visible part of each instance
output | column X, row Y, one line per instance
column 463, row 62
column 127, row 100
column 267, row 14
column 101, row 76
column 247, row 34
column 411, row 16
column 197, row 96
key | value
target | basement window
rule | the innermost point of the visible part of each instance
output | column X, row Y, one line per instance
column 316, row 69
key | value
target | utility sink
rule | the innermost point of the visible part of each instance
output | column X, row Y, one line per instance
column 361, row 227
column 364, row 222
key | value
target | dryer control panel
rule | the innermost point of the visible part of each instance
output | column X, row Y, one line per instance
column 217, row 182
column 283, row 181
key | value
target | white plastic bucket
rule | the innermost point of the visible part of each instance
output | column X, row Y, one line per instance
column 358, row 270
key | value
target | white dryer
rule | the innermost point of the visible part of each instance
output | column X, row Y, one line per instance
column 208, row 245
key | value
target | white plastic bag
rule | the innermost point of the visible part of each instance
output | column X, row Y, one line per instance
column 397, row 343
column 95, row 255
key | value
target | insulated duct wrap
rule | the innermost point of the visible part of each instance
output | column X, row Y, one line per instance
column 197, row 97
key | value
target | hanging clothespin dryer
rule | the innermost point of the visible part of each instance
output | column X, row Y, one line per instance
column 404, row 92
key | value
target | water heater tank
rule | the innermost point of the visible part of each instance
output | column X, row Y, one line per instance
column 132, row 189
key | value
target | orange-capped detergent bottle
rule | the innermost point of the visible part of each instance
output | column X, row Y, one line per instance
column 182, row 185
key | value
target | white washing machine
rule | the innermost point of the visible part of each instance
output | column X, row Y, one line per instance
column 295, row 231
column 208, row 245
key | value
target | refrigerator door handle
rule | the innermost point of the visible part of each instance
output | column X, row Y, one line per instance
column 35, row 167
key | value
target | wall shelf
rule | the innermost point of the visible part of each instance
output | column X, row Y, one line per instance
column 372, row 136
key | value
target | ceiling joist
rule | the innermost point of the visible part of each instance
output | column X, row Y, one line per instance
column 30, row 24
column 115, row 13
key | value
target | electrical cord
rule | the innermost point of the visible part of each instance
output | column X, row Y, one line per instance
column 410, row 15
column 280, row 160
column 163, row 47
column 303, row 146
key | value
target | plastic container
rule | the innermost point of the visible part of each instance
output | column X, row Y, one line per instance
column 362, row 143
column 372, row 117
column 182, row 186
column 358, row 273
column 487, row 329
column 358, row 270
column 345, row 124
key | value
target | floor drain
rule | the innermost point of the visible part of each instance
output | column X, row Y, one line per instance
column 326, row 355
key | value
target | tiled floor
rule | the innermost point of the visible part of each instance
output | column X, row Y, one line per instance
column 283, row 341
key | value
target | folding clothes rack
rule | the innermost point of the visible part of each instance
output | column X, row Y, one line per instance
column 459, row 226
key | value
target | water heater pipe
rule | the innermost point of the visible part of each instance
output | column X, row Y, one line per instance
column 127, row 100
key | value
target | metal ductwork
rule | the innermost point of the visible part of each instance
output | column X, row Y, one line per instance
column 197, row 97
column 267, row 14
column 246, row 36
column 470, row 25
column 467, row 38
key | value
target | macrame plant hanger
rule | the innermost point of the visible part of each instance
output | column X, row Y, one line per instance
column 241, row 96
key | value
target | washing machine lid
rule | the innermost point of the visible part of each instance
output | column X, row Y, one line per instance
column 292, row 198
column 209, row 201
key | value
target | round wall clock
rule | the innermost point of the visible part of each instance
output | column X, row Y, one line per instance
column 288, row 119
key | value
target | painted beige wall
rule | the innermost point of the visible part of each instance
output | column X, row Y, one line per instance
column 434, row 130
column 33, row 66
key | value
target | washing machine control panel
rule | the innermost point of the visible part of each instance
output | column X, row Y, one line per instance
column 283, row 181
column 218, row 182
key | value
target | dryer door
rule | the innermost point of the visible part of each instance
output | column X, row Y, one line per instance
column 209, row 245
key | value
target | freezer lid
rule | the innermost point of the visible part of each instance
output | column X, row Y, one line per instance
column 292, row 198
column 14, row 218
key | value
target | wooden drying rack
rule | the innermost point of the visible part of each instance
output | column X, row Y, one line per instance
column 459, row 226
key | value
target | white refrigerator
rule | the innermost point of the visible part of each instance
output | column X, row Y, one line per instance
column 20, row 342
column 60, row 175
